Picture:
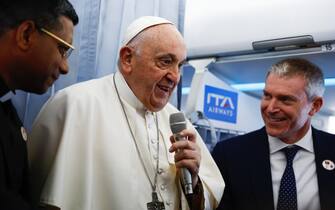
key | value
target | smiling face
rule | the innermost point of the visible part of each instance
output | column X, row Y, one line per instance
column 46, row 60
column 151, row 66
column 286, row 111
column 36, row 59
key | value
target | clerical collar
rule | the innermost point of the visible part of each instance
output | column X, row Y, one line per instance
column 5, row 93
column 305, row 142
column 127, row 94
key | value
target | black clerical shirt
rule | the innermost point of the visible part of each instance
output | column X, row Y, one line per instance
column 14, row 180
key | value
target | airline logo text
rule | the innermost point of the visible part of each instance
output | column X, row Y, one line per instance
column 220, row 104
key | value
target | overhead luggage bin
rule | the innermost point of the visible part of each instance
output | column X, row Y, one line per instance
column 224, row 27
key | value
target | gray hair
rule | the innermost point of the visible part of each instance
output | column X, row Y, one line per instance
column 292, row 67
column 136, row 41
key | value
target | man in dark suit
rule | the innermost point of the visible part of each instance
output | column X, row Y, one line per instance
column 35, row 41
column 288, row 164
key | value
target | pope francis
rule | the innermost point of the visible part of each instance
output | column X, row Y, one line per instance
column 106, row 144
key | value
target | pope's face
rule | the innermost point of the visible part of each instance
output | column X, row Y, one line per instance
column 155, row 66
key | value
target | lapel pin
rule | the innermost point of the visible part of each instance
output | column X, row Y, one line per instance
column 24, row 133
column 328, row 165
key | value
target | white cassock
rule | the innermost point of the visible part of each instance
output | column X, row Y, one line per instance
column 83, row 157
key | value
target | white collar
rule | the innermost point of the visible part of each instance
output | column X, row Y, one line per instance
column 7, row 96
column 306, row 142
column 127, row 94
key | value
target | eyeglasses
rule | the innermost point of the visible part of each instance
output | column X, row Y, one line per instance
column 65, row 49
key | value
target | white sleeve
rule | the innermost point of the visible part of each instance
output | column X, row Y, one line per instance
column 45, row 139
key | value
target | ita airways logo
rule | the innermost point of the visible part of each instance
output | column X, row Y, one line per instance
column 220, row 104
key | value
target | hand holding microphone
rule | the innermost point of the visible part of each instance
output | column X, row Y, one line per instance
column 187, row 152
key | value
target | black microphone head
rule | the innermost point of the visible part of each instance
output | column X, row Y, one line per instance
column 177, row 122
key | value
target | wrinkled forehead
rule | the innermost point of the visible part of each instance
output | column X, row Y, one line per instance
column 286, row 75
column 285, row 83
column 159, row 37
column 162, row 31
column 164, row 38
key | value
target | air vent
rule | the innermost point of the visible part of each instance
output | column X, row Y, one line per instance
column 284, row 43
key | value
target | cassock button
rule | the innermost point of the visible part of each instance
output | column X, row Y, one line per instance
column 153, row 141
column 328, row 165
column 160, row 171
column 24, row 133
column 163, row 187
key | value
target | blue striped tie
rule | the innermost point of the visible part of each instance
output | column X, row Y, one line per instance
column 287, row 198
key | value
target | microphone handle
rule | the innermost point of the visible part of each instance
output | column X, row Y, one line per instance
column 187, row 181
column 185, row 173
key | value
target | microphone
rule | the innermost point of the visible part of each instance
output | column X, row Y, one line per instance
column 177, row 124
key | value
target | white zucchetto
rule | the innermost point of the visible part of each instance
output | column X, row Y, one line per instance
column 140, row 24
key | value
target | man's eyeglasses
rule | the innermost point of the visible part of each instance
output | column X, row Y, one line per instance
column 65, row 49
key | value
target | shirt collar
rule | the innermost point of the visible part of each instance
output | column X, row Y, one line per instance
column 306, row 142
column 7, row 96
column 5, row 93
column 127, row 94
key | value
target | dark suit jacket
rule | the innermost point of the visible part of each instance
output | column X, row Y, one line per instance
column 244, row 162
column 14, row 190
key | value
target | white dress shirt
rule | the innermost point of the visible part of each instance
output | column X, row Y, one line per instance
column 304, row 170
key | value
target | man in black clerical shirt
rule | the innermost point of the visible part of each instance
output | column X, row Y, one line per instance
column 35, row 42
